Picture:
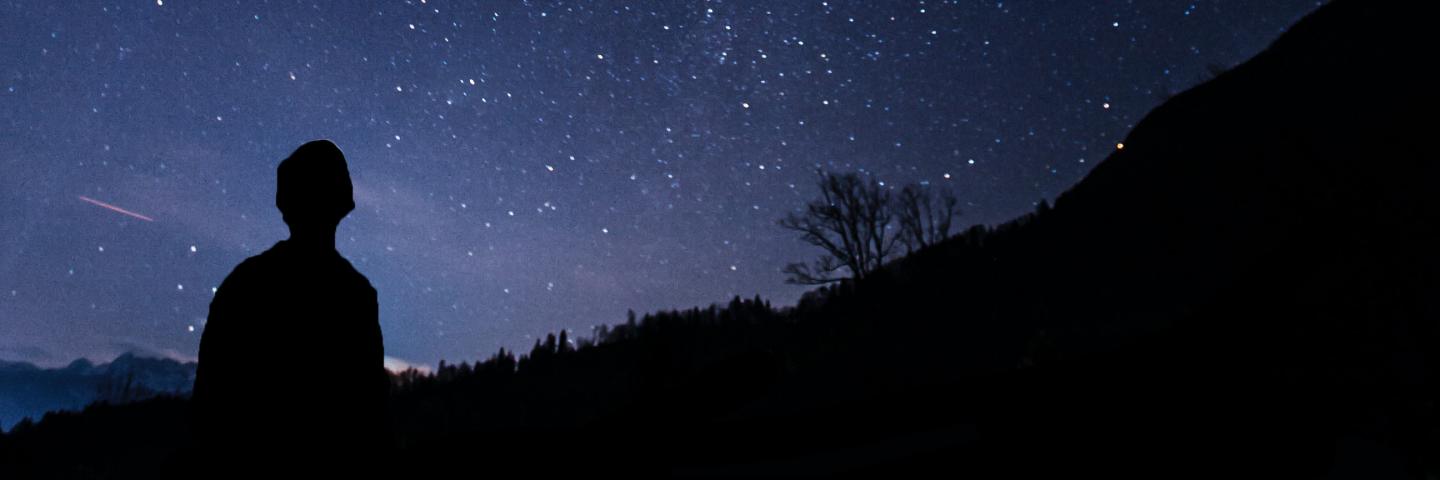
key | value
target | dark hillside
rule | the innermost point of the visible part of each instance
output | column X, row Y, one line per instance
column 1251, row 279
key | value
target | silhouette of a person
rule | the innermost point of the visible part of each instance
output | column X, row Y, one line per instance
column 291, row 361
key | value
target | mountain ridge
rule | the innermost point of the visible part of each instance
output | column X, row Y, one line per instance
column 29, row 391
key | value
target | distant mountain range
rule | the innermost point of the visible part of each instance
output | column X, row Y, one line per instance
column 29, row 391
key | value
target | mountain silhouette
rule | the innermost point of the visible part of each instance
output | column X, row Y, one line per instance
column 28, row 391
column 1248, row 285
column 1251, row 279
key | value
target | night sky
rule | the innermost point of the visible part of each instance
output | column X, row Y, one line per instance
column 523, row 167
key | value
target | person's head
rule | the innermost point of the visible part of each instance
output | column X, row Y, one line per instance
column 313, row 189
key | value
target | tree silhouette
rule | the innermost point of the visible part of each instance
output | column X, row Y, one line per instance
column 851, row 222
column 924, row 220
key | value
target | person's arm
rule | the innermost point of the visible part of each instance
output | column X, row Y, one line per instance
column 376, row 392
column 216, row 374
column 376, row 346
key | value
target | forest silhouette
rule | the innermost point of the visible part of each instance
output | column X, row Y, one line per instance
column 1249, row 285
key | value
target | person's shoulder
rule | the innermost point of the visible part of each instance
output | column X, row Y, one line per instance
column 265, row 259
column 356, row 278
column 254, row 266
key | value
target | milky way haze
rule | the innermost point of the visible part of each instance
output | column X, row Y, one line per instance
column 523, row 167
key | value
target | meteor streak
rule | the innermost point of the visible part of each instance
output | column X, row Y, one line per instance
column 115, row 208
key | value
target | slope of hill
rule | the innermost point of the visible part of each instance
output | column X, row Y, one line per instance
column 1249, row 285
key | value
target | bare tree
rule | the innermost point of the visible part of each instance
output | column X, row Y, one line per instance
column 851, row 222
column 924, row 220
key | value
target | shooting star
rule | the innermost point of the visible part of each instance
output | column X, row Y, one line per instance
column 115, row 208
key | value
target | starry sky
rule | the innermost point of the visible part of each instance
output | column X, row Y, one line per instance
column 522, row 167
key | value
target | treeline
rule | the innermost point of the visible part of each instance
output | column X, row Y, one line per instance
column 843, row 344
